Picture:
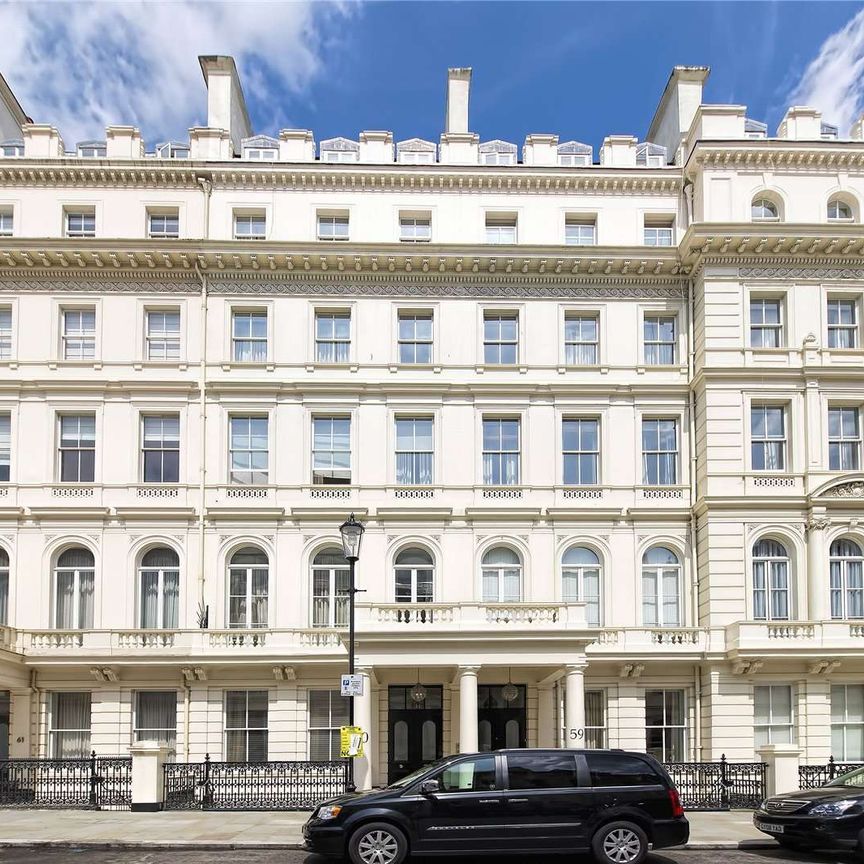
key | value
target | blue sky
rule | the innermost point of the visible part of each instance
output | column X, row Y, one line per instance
column 579, row 69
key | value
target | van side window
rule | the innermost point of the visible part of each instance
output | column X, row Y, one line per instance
column 619, row 769
column 542, row 770
column 474, row 775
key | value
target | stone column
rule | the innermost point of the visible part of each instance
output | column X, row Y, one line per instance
column 817, row 567
column 782, row 772
column 363, row 769
column 20, row 723
column 468, row 709
column 545, row 716
column 574, row 705
column 148, row 777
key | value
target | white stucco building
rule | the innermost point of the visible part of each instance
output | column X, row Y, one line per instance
column 600, row 413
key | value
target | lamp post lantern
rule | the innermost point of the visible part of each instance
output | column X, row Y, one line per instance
column 352, row 537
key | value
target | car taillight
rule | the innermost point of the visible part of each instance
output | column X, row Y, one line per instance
column 675, row 801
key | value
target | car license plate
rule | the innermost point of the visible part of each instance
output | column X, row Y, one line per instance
column 770, row 827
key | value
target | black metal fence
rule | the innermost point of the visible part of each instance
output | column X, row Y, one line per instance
column 814, row 776
column 719, row 785
column 212, row 785
column 94, row 783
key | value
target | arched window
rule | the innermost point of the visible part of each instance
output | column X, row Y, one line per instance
column 248, row 578
column 502, row 576
column 414, row 572
column 661, row 588
column 770, row 581
column 4, row 586
column 839, row 211
column 159, row 587
column 580, row 581
column 74, row 576
column 764, row 210
column 847, row 580
column 331, row 586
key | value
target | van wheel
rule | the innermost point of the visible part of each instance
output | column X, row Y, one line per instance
column 378, row 843
column 620, row 843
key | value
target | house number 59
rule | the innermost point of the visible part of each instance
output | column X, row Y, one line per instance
column 577, row 734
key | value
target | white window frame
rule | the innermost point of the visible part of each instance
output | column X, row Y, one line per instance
column 7, row 222
column 160, row 591
column 502, row 230
column 652, row 349
column 838, row 327
column 760, row 301
column 80, row 336
column 85, row 215
column 659, row 452
column 845, row 567
column 580, row 344
column 773, row 581
column 596, row 735
column 162, row 341
column 501, row 453
column 673, row 728
column 761, row 202
column 139, row 733
column 335, row 722
column 6, row 333
column 165, row 232
column 500, row 343
column 654, row 573
column 251, row 471
column 83, row 607
column 337, row 600
column 61, row 449
column 576, row 573
column 330, row 480
column 326, row 343
column 164, row 444
column 581, row 452
column 657, row 232
column 766, row 441
column 54, row 733
column 414, row 452
column 837, row 203
column 254, row 226
column 246, row 728
column 498, row 570
column 246, row 571
column 415, row 229
column 775, row 723
column 329, row 227
column 580, row 232
column 5, row 446
column 844, row 439
column 413, row 315
column 249, row 339
column 844, row 724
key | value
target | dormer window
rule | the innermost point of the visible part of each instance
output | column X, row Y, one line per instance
column 573, row 154
column 764, row 210
column 416, row 151
column 829, row 132
column 261, row 148
column 172, row 150
column 498, row 153
column 755, row 129
column 839, row 211
column 650, row 155
column 12, row 148
column 340, row 150
column 92, row 150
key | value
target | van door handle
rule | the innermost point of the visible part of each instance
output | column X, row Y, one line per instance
column 490, row 801
column 517, row 800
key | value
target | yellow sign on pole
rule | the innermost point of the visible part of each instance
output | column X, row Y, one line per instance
column 351, row 740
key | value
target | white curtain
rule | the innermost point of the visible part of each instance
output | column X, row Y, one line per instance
column 70, row 725
column 156, row 717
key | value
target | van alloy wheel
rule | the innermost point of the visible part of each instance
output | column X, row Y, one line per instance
column 622, row 846
column 378, row 847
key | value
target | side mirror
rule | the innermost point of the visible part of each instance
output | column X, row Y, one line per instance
column 427, row 787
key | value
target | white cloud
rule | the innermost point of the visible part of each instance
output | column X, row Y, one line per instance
column 85, row 65
column 834, row 80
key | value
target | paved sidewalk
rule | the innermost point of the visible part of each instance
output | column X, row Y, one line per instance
column 266, row 829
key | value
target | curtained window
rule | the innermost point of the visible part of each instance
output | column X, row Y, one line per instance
column 501, row 451
column 659, row 452
column 159, row 576
column 414, row 451
column 846, row 579
column 331, row 583
column 246, row 725
column 69, row 732
column 73, row 590
column 770, row 581
column 327, row 712
column 580, row 576
column 248, row 577
column 661, row 588
column 501, row 576
column 156, row 716
column 414, row 576
column 4, row 586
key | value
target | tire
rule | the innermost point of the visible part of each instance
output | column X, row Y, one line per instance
column 620, row 843
column 378, row 843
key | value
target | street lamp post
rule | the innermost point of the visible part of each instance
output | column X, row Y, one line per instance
column 352, row 535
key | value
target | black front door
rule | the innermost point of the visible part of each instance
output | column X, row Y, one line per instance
column 415, row 729
column 500, row 722
column 4, row 724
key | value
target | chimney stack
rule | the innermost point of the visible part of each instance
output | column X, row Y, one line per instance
column 226, row 104
column 458, row 145
column 458, row 90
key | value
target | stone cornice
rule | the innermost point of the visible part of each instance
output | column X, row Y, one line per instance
column 384, row 263
column 310, row 177
column 775, row 154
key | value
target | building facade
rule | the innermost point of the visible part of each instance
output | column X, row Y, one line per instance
column 600, row 417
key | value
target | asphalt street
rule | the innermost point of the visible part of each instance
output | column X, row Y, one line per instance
column 71, row 855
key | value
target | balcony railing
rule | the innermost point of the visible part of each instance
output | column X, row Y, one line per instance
column 378, row 617
column 757, row 636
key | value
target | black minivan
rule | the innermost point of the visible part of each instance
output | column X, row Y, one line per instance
column 614, row 803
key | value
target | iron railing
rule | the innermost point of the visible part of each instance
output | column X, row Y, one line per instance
column 210, row 785
column 94, row 783
column 719, row 785
column 814, row 776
